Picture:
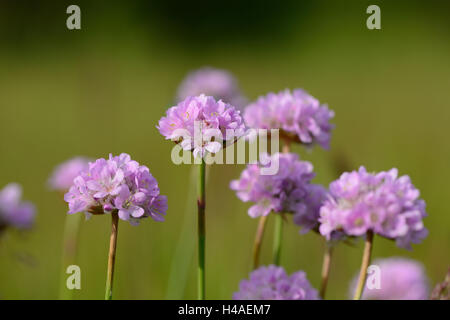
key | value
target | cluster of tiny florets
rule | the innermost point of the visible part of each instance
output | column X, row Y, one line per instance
column 201, row 124
column 272, row 283
column 381, row 202
column 289, row 190
column 297, row 114
column 117, row 183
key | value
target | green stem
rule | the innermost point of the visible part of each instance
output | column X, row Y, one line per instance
column 112, row 254
column 326, row 269
column 201, row 230
column 364, row 265
column 278, row 237
column 69, row 252
column 258, row 241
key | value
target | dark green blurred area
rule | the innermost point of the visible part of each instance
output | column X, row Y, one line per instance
column 103, row 88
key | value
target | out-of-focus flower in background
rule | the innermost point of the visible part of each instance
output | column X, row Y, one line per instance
column 400, row 279
column 13, row 211
column 300, row 116
column 220, row 84
column 201, row 124
column 62, row 176
column 117, row 183
column 273, row 283
column 381, row 202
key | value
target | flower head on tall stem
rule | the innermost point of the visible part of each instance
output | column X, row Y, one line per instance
column 201, row 124
column 117, row 183
column 400, row 279
column 220, row 84
column 287, row 191
column 122, row 188
column 272, row 283
column 383, row 203
column 14, row 212
column 299, row 115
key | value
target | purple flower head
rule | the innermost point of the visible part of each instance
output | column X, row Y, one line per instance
column 118, row 183
column 220, row 84
column 63, row 175
column 202, row 124
column 308, row 217
column 400, row 279
column 287, row 191
column 300, row 116
column 382, row 202
column 272, row 283
column 13, row 211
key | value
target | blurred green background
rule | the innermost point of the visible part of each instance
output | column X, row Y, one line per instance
column 103, row 88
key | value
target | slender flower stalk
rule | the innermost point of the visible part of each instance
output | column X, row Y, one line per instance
column 258, row 241
column 364, row 265
column 261, row 228
column 61, row 180
column 70, row 244
column 286, row 146
column 278, row 234
column 288, row 191
column 112, row 254
column 185, row 249
column 277, row 239
column 325, row 269
column 201, row 204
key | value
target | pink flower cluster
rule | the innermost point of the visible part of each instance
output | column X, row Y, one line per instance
column 288, row 191
column 202, row 124
column 382, row 202
column 272, row 283
column 299, row 115
column 117, row 183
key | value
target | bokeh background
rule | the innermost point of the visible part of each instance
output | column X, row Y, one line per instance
column 103, row 88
